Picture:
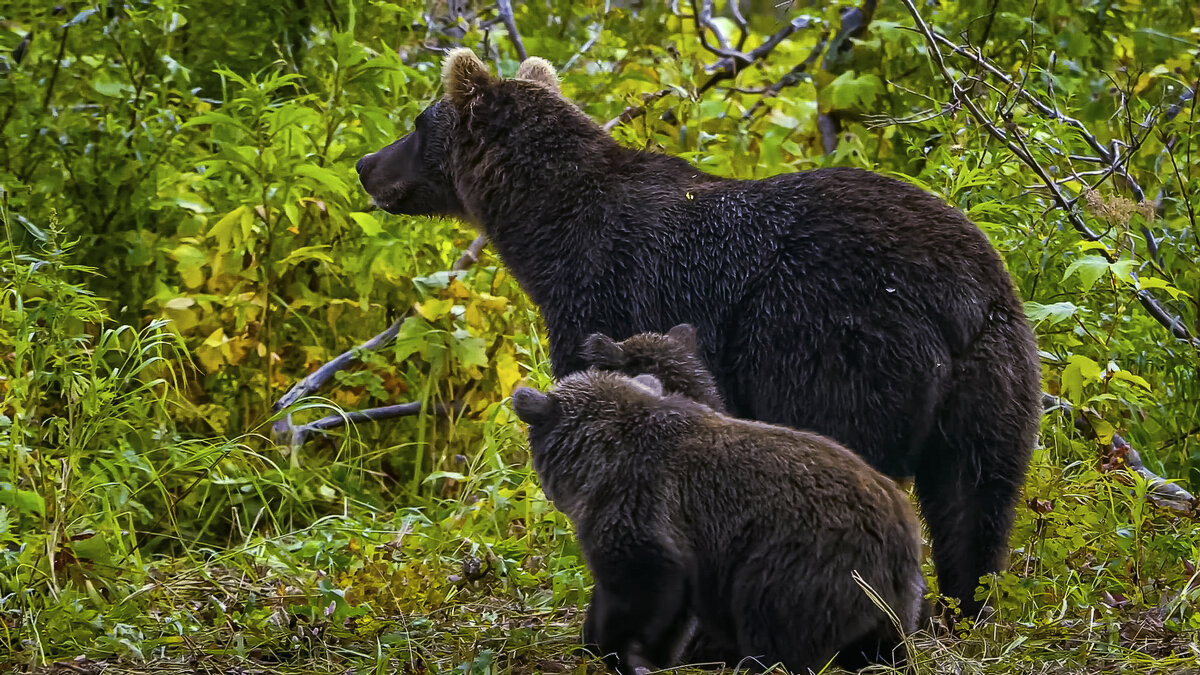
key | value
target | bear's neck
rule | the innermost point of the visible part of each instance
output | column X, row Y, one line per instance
column 582, row 216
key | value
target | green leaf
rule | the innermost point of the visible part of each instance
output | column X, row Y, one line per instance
column 1089, row 268
column 1147, row 283
column 369, row 223
column 1054, row 313
column 1080, row 371
column 1130, row 377
column 307, row 253
column 113, row 89
column 27, row 501
column 225, row 231
column 470, row 351
column 325, row 177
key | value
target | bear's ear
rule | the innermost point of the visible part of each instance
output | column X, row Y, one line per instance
column 685, row 334
column 537, row 69
column 599, row 350
column 463, row 75
column 533, row 407
column 649, row 383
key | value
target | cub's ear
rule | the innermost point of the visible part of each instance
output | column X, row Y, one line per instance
column 463, row 75
column 533, row 407
column 599, row 350
column 537, row 69
column 685, row 334
column 649, row 383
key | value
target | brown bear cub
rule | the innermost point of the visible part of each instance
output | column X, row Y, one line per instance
column 837, row 300
column 672, row 358
column 752, row 531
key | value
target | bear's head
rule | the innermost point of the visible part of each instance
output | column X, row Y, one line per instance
column 481, row 127
column 589, row 419
column 674, row 358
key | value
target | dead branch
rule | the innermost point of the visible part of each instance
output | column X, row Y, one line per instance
column 1119, row 452
column 283, row 429
column 633, row 112
column 731, row 61
column 471, row 255
column 504, row 7
column 301, row 433
column 1012, row 138
column 1107, row 155
column 792, row 77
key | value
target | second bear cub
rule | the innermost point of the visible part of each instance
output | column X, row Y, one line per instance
column 752, row 530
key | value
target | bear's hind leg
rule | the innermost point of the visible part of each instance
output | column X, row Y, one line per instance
column 973, row 467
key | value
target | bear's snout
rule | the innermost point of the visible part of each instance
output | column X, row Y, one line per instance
column 362, row 164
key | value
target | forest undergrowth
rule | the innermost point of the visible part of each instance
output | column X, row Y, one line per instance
column 185, row 239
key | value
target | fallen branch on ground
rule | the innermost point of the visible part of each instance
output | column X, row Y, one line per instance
column 1119, row 452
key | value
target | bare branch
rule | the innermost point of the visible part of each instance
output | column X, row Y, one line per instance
column 471, row 255
column 283, row 429
column 702, row 15
column 635, row 111
column 301, row 433
column 1105, row 153
column 1120, row 452
column 743, row 28
column 735, row 61
column 731, row 61
column 1013, row 140
column 792, row 77
column 504, row 7
column 320, row 376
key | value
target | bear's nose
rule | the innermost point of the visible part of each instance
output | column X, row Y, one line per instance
column 362, row 163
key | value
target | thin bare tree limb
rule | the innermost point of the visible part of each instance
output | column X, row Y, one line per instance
column 792, row 77
column 1105, row 153
column 633, row 112
column 1013, row 140
column 301, row 433
column 504, row 7
column 471, row 255
column 1120, row 452
column 731, row 61
column 283, row 429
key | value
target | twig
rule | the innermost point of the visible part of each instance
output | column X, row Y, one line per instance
column 633, row 112
column 792, row 77
column 1104, row 152
column 1015, row 143
column 743, row 27
column 734, row 61
column 731, row 61
column 62, row 49
column 1167, row 494
column 510, row 24
column 300, row 434
column 284, row 430
column 471, row 255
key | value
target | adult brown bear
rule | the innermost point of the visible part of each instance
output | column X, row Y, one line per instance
column 835, row 300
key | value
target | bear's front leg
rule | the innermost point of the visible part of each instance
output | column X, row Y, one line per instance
column 637, row 615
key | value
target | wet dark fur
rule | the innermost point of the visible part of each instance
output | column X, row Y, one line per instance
column 752, row 529
column 673, row 358
column 836, row 300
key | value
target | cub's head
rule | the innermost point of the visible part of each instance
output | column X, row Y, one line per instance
column 591, row 421
column 422, row 173
column 673, row 358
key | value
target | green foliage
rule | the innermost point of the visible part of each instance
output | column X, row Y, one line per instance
column 185, row 238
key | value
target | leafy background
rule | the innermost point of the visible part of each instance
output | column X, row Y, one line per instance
column 184, row 239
